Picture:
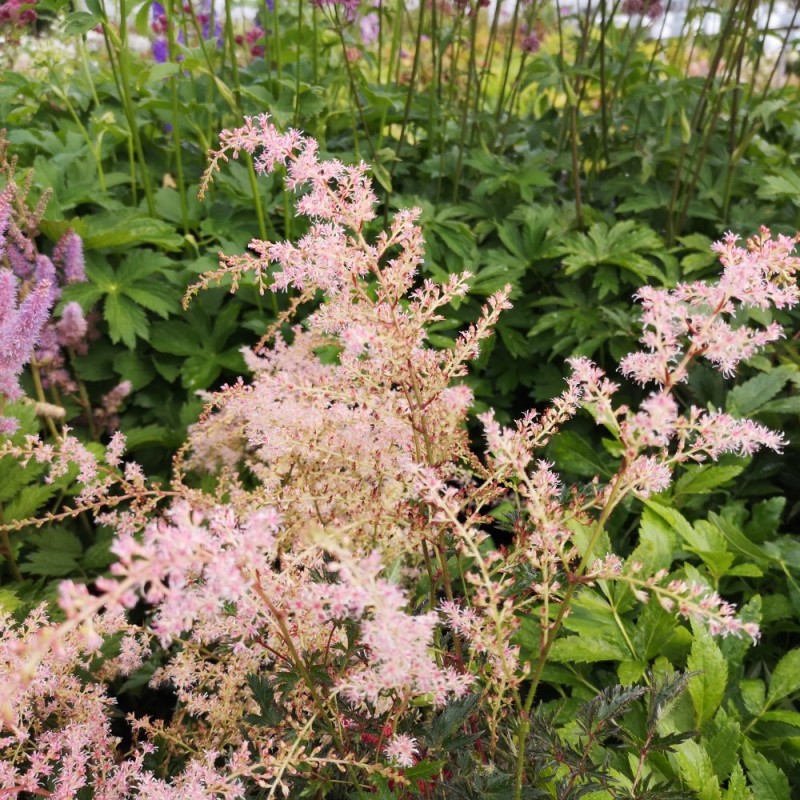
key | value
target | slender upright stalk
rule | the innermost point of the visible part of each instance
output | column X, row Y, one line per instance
column 176, row 117
column 120, row 42
column 471, row 74
column 8, row 552
column 411, row 86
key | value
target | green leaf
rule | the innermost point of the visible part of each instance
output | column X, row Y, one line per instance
column 723, row 743
column 79, row 22
column 423, row 770
column 382, row 176
column 126, row 320
column 747, row 398
column 588, row 649
column 737, row 785
column 703, row 478
column 153, row 298
column 57, row 556
column 134, row 367
column 28, row 500
column 768, row 781
column 158, row 72
column 624, row 245
column 121, row 230
column 784, row 716
column 573, row 453
column 630, row 672
column 656, row 543
column 753, row 693
column 785, row 677
column 697, row 771
column 675, row 521
column 175, row 337
column 785, row 185
column 708, row 688
column 9, row 602
column 765, row 518
column 199, row 371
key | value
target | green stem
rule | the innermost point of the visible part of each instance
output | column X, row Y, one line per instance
column 354, row 89
column 41, row 397
column 473, row 30
column 101, row 176
column 298, row 62
column 694, row 123
column 231, row 39
column 315, row 44
column 410, row 93
column 512, row 35
column 276, row 31
column 124, row 83
column 176, row 118
column 5, row 549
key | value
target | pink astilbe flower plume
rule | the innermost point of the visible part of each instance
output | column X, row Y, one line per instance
column 695, row 319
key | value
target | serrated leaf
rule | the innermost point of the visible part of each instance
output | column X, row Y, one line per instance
column 708, row 688
column 28, row 500
column 199, row 371
column 747, row 398
column 14, row 477
column 754, row 694
column 9, row 602
column 768, row 781
column 656, row 543
column 175, row 337
column 620, row 246
column 587, row 649
column 784, row 716
column 573, row 453
column 446, row 725
column 785, row 677
column 737, row 785
column 122, row 230
column 723, row 743
column 702, row 478
column 152, row 298
column 664, row 691
column 57, row 555
column 98, row 556
column 423, row 770
column 785, row 185
column 629, row 672
column 697, row 771
column 126, row 320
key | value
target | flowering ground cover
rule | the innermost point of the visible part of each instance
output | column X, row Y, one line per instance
column 399, row 400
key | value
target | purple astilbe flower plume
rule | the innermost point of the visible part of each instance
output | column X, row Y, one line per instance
column 5, row 217
column 22, row 265
column 72, row 327
column 68, row 254
column 20, row 328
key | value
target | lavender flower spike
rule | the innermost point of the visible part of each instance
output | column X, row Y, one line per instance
column 68, row 254
column 20, row 329
column 5, row 217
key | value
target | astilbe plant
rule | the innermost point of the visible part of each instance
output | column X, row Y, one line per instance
column 336, row 592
